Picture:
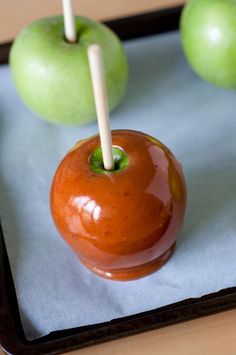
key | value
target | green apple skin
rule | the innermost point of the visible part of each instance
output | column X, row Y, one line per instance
column 208, row 33
column 52, row 76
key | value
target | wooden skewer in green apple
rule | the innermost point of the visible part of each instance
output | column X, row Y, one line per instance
column 69, row 21
column 119, row 206
column 50, row 68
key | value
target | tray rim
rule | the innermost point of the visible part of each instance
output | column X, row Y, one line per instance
column 12, row 338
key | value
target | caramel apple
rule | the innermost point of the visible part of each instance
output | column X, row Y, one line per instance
column 122, row 223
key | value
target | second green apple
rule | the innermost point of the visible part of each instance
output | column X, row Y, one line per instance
column 208, row 33
column 53, row 76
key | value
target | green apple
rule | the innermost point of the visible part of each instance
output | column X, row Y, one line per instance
column 53, row 76
column 208, row 31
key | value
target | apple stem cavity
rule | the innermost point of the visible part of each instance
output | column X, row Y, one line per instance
column 69, row 21
column 121, row 160
column 101, row 103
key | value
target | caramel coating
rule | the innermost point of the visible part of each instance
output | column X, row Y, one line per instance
column 122, row 224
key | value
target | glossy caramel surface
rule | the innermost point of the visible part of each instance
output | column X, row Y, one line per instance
column 119, row 221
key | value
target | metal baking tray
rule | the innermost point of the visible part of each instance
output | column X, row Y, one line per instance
column 12, row 336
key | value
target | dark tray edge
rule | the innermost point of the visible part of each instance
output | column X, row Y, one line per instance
column 130, row 27
column 12, row 336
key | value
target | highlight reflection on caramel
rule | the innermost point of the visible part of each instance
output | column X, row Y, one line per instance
column 121, row 224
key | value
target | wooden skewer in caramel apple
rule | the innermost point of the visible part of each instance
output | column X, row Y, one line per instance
column 120, row 215
column 50, row 69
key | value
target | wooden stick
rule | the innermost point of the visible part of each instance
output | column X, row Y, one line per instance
column 101, row 102
column 69, row 21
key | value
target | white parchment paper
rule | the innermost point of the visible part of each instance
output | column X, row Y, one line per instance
column 198, row 123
